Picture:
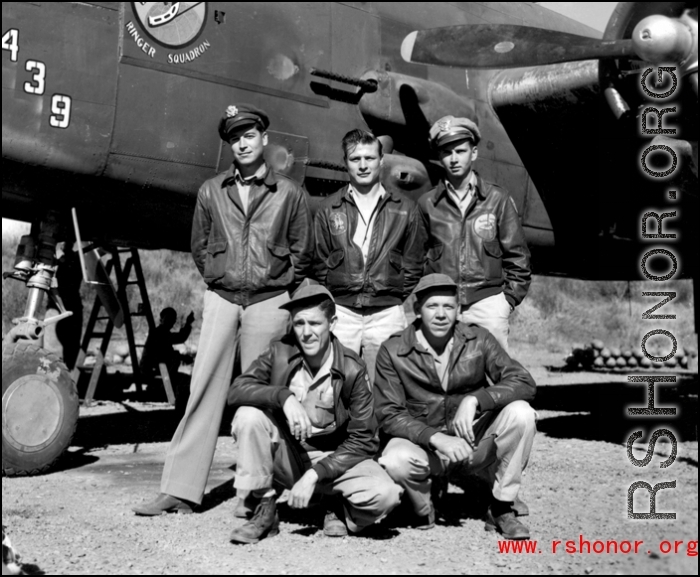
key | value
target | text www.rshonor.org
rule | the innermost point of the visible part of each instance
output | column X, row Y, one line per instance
column 584, row 546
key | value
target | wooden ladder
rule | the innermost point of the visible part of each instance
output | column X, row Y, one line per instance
column 124, row 280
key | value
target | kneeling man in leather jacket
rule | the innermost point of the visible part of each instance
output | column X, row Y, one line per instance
column 306, row 422
column 435, row 400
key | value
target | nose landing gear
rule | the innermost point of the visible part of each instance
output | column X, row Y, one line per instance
column 39, row 399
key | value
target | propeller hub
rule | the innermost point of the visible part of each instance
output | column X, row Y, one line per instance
column 659, row 40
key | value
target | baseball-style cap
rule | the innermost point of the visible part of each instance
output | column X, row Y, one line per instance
column 309, row 292
column 450, row 129
column 434, row 281
column 238, row 116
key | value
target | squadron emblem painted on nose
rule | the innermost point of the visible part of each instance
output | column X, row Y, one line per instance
column 172, row 24
column 338, row 222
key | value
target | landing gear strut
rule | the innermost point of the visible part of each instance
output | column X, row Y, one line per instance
column 39, row 399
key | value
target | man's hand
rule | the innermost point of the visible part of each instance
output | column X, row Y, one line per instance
column 464, row 419
column 297, row 419
column 303, row 490
column 190, row 318
column 456, row 449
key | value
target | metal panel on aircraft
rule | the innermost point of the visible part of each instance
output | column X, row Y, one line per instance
column 59, row 85
column 181, row 66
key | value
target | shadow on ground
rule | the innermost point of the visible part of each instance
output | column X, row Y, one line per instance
column 135, row 426
column 218, row 495
column 601, row 410
column 598, row 413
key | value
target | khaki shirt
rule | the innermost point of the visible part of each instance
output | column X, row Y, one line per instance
column 441, row 361
column 464, row 196
column 315, row 393
column 243, row 184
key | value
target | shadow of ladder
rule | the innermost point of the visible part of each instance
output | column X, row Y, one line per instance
column 122, row 275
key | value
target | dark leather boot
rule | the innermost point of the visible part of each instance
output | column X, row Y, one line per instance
column 333, row 525
column 507, row 524
column 263, row 523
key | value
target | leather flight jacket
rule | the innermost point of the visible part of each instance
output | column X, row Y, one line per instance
column 411, row 403
column 355, row 436
column 248, row 257
column 485, row 251
column 396, row 251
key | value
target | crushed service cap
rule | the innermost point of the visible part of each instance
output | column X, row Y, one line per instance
column 433, row 282
column 309, row 291
column 237, row 116
column 450, row 129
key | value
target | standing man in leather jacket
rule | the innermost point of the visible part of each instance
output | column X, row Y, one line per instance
column 306, row 422
column 474, row 232
column 369, row 250
column 450, row 397
column 252, row 241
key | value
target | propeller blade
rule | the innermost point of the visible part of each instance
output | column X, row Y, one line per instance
column 505, row 46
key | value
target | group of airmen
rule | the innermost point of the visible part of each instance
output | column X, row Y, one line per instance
column 340, row 400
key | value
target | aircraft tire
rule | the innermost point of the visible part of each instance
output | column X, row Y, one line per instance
column 39, row 409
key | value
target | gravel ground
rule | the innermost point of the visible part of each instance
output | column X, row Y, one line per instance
column 77, row 520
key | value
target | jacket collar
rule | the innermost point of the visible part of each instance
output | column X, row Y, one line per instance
column 268, row 179
column 346, row 196
column 442, row 189
column 408, row 343
column 295, row 355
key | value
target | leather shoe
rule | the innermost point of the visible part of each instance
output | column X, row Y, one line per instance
column 245, row 508
column 333, row 526
column 263, row 523
column 507, row 525
column 163, row 504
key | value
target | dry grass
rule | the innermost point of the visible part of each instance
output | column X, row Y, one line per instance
column 171, row 277
column 13, row 292
column 559, row 313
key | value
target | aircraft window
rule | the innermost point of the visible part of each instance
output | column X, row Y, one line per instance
column 38, row 83
column 60, row 111
column 10, row 42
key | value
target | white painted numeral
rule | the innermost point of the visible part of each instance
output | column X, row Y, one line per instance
column 10, row 42
column 38, row 82
column 60, row 111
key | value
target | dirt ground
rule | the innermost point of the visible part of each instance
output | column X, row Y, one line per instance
column 77, row 519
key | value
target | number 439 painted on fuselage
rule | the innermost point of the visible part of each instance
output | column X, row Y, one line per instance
column 60, row 103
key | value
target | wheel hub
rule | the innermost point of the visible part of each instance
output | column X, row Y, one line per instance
column 32, row 412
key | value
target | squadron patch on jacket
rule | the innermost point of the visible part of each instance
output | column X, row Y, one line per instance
column 485, row 226
column 338, row 222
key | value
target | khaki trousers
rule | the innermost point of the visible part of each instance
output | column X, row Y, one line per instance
column 504, row 441
column 268, row 454
column 224, row 326
column 493, row 314
column 365, row 333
